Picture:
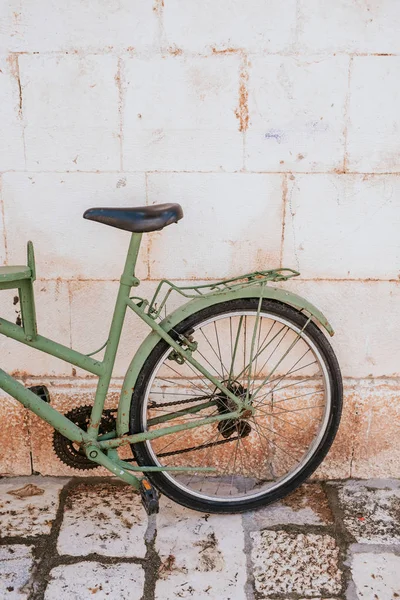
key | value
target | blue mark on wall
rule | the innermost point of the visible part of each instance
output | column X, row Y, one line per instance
column 275, row 134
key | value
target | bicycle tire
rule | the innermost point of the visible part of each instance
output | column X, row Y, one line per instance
column 142, row 451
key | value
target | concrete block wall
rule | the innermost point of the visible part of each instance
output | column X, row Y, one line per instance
column 276, row 126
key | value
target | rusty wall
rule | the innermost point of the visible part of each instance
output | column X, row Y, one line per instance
column 276, row 126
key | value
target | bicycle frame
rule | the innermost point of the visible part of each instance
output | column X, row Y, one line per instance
column 102, row 449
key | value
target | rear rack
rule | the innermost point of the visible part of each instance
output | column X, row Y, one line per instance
column 166, row 287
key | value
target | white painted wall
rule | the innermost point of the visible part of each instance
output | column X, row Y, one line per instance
column 275, row 123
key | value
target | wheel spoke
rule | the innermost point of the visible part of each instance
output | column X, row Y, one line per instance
column 223, row 368
column 269, row 361
column 235, row 349
column 295, row 397
column 290, row 372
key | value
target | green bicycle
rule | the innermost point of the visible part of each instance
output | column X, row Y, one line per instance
column 230, row 403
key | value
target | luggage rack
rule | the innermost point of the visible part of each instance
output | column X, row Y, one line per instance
column 166, row 287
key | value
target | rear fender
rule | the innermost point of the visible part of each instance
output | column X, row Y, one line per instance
column 188, row 309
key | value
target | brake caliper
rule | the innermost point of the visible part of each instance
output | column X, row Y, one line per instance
column 187, row 343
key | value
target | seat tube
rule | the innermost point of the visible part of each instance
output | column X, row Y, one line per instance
column 127, row 280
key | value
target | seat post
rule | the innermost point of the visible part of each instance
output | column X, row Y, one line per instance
column 128, row 276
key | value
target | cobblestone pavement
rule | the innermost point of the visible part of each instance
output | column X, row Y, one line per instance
column 80, row 539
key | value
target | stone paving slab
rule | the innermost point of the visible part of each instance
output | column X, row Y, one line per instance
column 106, row 519
column 372, row 511
column 376, row 576
column 305, row 506
column 289, row 563
column 33, row 515
column 202, row 555
column 16, row 563
column 88, row 580
column 100, row 543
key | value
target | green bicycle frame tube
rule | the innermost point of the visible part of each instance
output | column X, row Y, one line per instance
column 103, row 369
column 41, row 408
column 49, row 347
column 128, row 280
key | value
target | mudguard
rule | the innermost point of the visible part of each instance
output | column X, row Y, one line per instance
column 189, row 309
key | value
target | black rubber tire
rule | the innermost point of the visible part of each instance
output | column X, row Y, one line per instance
column 163, row 484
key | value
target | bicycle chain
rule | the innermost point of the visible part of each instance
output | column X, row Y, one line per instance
column 197, row 399
column 70, row 456
column 203, row 447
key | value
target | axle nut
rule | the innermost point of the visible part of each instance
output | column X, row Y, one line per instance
column 246, row 414
column 93, row 453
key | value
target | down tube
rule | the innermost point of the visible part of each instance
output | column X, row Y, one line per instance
column 41, row 408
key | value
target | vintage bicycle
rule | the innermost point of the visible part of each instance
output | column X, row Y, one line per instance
column 230, row 403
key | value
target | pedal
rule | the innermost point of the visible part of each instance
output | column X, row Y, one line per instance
column 41, row 391
column 149, row 497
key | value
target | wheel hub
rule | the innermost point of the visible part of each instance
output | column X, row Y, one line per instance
column 226, row 405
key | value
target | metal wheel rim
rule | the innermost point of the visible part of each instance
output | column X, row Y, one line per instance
column 313, row 447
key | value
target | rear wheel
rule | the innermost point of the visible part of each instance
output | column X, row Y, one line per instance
column 276, row 358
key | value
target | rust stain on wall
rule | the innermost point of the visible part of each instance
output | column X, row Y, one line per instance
column 175, row 51
column 12, row 60
column 346, row 120
column 158, row 6
column 230, row 50
column 14, row 439
column 5, row 241
column 119, row 83
column 242, row 111
column 18, row 374
column 284, row 200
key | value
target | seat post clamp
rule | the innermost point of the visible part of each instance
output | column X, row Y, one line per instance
column 129, row 280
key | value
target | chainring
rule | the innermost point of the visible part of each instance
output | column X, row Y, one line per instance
column 67, row 451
